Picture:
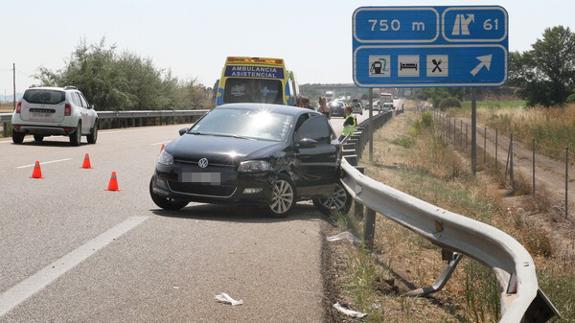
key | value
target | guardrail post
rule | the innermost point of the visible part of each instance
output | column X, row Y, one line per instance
column 5, row 129
column 358, row 209
column 369, row 229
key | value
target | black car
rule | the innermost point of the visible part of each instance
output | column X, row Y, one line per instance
column 270, row 155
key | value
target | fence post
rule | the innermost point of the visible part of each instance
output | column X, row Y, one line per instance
column 454, row 133
column 496, row 148
column 566, row 181
column 533, row 175
column 465, row 147
column 484, row 145
column 511, row 164
column 369, row 229
column 461, row 135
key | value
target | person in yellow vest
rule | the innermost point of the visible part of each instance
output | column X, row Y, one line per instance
column 349, row 125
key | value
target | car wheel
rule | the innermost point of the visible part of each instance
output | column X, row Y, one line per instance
column 166, row 203
column 283, row 197
column 18, row 137
column 76, row 136
column 38, row 138
column 93, row 136
column 339, row 201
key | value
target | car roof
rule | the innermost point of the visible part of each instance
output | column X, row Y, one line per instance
column 283, row 109
column 51, row 88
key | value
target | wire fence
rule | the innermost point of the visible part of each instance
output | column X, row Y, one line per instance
column 516, row 164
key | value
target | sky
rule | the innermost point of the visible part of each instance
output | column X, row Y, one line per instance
column 193, row 38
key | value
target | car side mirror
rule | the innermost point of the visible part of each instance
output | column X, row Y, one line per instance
column 182, row 131
column 92, row 107
column 307, row 143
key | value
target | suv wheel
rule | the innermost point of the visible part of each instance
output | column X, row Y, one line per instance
column 166, row 203
column 76, row 136
column 38, row 138
column 339, row 201
column 283, row 197
column 18, row 137
column 93, row 136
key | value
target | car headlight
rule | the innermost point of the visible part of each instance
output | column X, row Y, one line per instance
column 253, row 166
column 166, row 158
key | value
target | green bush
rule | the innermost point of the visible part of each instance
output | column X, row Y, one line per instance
column 571, row 98
column 449, row 102
column 426, row 119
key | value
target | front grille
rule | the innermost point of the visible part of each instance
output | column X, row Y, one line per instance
column 212, row 163
column 202, row 189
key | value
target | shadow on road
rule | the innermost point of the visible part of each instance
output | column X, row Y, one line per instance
column 49, row 143
column 244, row 214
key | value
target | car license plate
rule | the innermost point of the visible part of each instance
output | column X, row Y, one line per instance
column 201, row 177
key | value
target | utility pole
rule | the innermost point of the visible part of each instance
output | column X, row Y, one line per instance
column 14, row 86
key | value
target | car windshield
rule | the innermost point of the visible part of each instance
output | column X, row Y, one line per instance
column 44, row 96
column 243, row 90
column 245, row 123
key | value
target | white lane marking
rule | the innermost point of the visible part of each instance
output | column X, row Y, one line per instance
column 48, row 162
column 38, row 281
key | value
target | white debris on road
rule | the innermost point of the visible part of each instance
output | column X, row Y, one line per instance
column 349, row 312
column 344, row 235
column 227, row 299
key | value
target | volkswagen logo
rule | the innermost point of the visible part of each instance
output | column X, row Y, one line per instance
column 203, row 162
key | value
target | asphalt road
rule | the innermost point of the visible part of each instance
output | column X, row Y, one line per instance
column 72, row 251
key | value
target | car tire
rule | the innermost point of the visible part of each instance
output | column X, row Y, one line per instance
column 283, row 197
column 166, row 203
column 38, row 138
column 339, row 201
column 18, row 137
column 93, row 136
column 76, row 136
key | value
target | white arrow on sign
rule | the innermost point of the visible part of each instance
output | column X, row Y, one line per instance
column 485, row 61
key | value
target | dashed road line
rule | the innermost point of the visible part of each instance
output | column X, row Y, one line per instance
column 41, row 279
column 43, row 163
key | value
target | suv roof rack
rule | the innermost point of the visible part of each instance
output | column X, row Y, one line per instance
column 70, row 87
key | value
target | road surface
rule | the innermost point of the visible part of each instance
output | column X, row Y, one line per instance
column 72, row 251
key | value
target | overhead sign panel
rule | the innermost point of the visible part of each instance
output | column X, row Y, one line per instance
column 430, row 46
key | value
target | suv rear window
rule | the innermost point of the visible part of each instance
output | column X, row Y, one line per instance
column 44, row 96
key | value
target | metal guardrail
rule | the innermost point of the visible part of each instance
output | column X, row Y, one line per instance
column 457, row 235
column 109, row 116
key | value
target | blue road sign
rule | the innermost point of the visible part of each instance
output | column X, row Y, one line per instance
column 430, row 46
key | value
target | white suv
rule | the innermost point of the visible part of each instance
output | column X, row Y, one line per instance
column 48, row 111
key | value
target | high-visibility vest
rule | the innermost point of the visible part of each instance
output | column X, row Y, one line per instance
column 349, row 129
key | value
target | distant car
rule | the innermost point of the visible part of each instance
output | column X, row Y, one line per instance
column 270, row 155
column 336, row 109
column 357, row 106
column 49, row 111
column 387, row 106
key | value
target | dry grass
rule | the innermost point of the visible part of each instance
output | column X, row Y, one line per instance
column 433, row 172
column 6, row 107
column 553, row 129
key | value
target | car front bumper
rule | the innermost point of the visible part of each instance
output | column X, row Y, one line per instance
column 234, row 188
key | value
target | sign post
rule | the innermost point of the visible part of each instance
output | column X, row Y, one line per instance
column 410, row 47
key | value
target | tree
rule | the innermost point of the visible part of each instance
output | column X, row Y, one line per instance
column 124, row 81
column 546, row 73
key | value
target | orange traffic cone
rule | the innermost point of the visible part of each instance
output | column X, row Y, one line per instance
column 37, row 173
column 86, row 164
column 113, row 183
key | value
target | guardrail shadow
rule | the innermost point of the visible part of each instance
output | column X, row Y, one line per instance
column 238, row 213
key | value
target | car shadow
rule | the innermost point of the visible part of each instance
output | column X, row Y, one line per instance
column 241, row 214
column 49, row 143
